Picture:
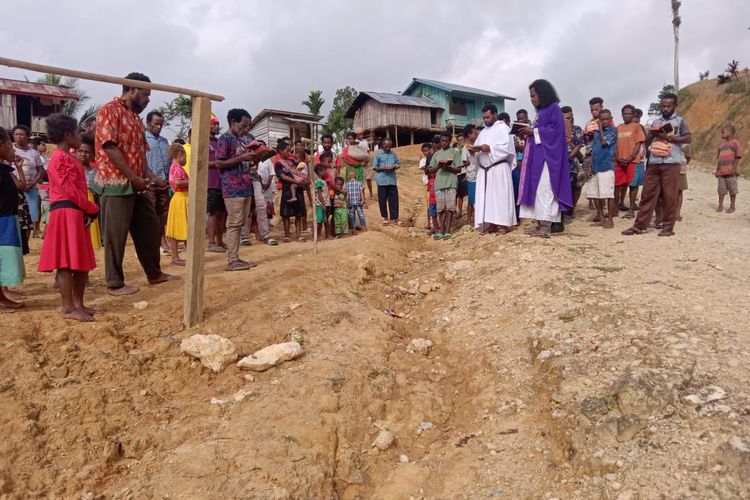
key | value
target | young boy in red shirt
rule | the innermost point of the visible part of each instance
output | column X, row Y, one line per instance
column 727, row 167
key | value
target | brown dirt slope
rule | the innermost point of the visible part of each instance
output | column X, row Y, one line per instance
column 707, row 106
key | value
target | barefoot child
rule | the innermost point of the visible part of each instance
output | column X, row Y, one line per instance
column 177, row 218
column 85, row 154
column 340, row 210
column 727, row 167
column 67, row 245
column 322, row 201
column 601, row 185
column 11, row 255
column 446, row 164
column 355, row 197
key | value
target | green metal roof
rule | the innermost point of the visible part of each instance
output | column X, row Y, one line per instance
column 452, row 87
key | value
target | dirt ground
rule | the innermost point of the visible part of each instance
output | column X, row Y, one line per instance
column 589, row 365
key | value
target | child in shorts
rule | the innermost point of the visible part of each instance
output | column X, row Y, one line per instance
column 727, row 167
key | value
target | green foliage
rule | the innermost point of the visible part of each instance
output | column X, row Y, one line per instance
column 336, row 123
column 703, row 75
column 654, row 108
column 178, row 114
column 733, row 68
column 69, row 107
column 314, row 101
column 88, row 114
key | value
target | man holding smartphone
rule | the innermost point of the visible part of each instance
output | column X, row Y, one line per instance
column 665, row 139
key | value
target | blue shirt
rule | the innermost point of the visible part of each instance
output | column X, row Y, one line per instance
column 680, row 128
column 157, row 157
column 604, row 154
column 383, row 159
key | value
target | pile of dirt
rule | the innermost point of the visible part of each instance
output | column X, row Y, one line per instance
column 707, row 106
column 589, row 365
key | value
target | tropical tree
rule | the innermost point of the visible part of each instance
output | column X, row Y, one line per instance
column 314, row 101
column 177, row 115
column 68, row 107
column 336, row 123
column 733, row 68
column 654, row 108
column 676, row 22
column 88, row 114
column 703, row 75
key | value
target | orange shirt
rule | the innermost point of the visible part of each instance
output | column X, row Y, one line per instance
column 119, row 125
column 628, row 135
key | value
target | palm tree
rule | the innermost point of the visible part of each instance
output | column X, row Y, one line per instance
column 733, row 68
column 314, row 101
column 88, row 114
column 68, row 107
column 676, row 22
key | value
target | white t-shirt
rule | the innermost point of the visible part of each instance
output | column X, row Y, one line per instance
column 32, row 162
column 364, row 144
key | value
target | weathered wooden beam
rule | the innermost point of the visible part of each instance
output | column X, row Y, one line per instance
column 197, row 199
column 85, row 75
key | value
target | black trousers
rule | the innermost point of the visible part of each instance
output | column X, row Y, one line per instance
column 388, row 201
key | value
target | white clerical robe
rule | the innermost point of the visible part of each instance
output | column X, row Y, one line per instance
column 494, row 200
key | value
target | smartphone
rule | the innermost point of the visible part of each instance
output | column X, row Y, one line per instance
column 667, row 128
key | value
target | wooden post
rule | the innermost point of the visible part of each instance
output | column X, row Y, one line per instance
column 311, row 187
column 197, row 199
column 395, row 132
column 412, row 137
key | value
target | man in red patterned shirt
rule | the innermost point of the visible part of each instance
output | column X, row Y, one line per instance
column 121, row 181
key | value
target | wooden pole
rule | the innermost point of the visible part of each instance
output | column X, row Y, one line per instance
column 412, row 137
column 312, row 181
column 85, row 75
column 197, row 199
column 395, row 132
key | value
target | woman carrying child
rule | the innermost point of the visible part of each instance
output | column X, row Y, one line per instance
column 292, row 192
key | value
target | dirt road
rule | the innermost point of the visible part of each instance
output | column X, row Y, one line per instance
column 589, row 365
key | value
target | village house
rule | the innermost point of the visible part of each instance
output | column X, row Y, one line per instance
column 424, row 108
column 270, row 125
column 29, row 103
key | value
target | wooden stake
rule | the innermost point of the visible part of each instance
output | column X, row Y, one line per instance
column 396, row 133
column 197, row 199
column 312, row 186
column 85, row 75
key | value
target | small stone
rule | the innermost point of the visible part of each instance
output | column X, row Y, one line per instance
column 140, row 305
column 384, row 440
column 214, row 351
column 425, row 288
column 626, row 495
column 543, row 355
column 420, row 346
column 424, row 426
column 59, row 372
column 461, row 265
column 294, row 306
column 249, row 377
column 271, row 356
column 242, row 394
column 403, row 459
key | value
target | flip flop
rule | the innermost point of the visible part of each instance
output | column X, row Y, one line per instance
column 632, row 231
column 178, row 262
column 437, row 236
column 447, row 236
column 399, row 223
column 272, row 242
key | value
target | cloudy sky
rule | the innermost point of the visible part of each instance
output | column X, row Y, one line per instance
column 269, row 54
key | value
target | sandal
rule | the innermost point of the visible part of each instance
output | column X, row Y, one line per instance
column 437, row 236
column 239, row 265
column 447, row 236
column 301, row 239
column 632, row 231
column 386, row 223
column 539, row 233
column 666, row 232
column 216, row 249
column 399, row 223
column 178, row 262
column 286, row 239
column 270, row 241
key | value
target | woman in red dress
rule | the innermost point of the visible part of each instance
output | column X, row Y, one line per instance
column 67, row 244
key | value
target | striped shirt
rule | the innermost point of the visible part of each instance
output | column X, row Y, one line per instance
column 353, row 190
column 729, row 152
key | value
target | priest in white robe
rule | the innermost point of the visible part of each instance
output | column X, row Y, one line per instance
column 494, row 206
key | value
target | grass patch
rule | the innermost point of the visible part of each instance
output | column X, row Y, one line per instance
column 568, row 316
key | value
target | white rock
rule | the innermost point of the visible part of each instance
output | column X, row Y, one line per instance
column 403, row 459
column 461, row 265
column 140, row 305
column 214, row 351
column 420, row 346
column 271, row 356
column 738, row 445
column 242, row 394
column 543, row 355
column 384, row 440
column 424, row 426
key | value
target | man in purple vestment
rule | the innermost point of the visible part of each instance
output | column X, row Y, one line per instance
column 545, row 189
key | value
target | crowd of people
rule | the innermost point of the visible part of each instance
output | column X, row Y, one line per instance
column 121, row 177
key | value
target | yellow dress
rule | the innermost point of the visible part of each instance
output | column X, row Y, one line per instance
column 177, row 220
column 94, row 229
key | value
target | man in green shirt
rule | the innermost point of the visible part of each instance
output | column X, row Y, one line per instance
column 446, row 164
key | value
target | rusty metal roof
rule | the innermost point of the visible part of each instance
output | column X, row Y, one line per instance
column 391, row 99
column 18, row 87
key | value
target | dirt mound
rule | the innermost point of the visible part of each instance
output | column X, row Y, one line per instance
column 707, row 106
column 589, row 365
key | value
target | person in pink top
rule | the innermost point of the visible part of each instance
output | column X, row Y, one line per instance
column 67, row 246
